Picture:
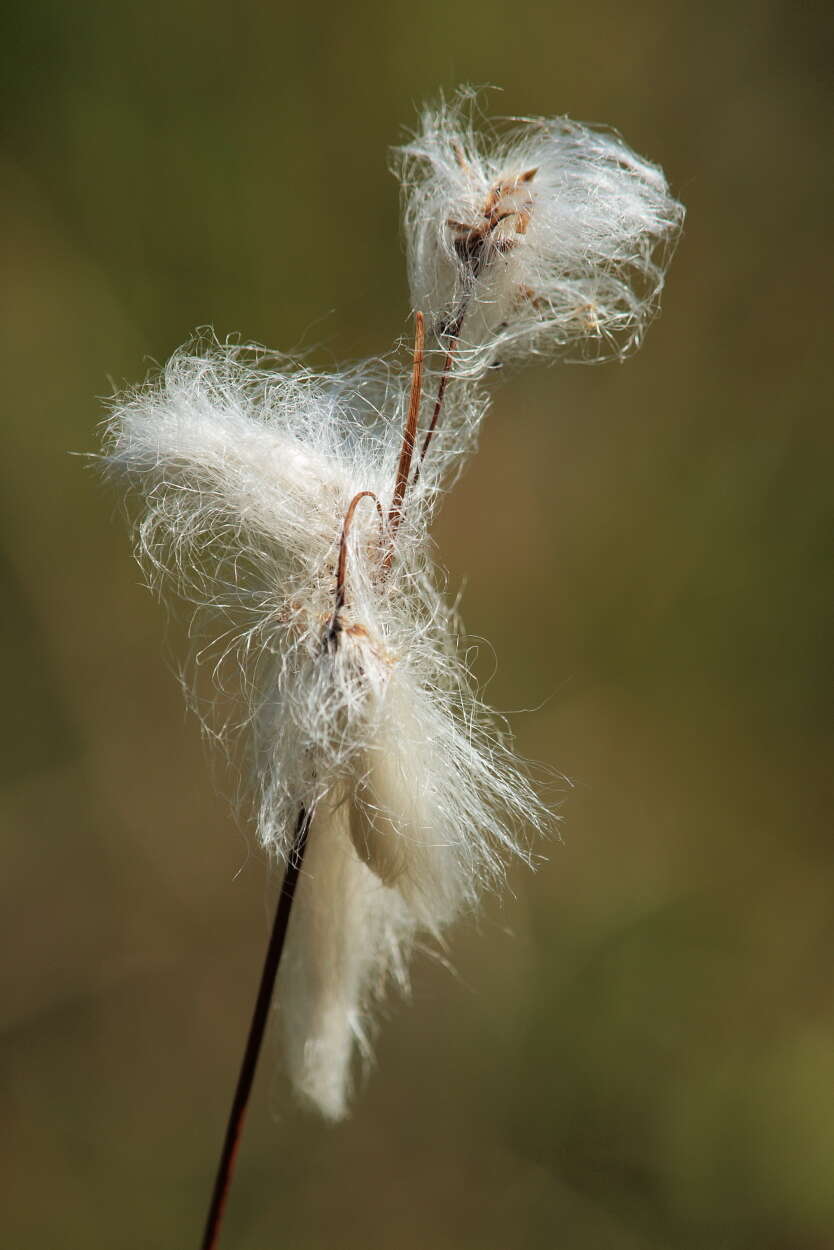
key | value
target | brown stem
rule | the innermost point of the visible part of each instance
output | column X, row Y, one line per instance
column 257, row 1029
column 341, row 567
column 454, row 330
column 438, row 404
column 410, row 434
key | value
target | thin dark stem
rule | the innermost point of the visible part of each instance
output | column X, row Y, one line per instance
column 453, row 331
column 438, row 404
column 341, row 568
column 410, row 434
column 256, row 1032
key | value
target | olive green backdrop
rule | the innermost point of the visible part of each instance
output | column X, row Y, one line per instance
column 635, row 1050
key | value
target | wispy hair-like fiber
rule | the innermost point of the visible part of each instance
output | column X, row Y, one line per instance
column 532, row 235
column 362, row 712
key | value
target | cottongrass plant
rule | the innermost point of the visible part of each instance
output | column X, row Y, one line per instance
column 291, row 510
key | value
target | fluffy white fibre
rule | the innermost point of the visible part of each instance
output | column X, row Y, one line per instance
column 349, row 936
column 366, row 714
column 542, row 235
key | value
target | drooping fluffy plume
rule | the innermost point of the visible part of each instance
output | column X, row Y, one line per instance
column 350, row 937
column 535, row 235
column 276, row 504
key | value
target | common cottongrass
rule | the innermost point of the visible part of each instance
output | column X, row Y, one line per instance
column 291, row 510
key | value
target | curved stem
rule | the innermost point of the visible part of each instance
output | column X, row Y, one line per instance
column 257, row 1029
column 341, row 567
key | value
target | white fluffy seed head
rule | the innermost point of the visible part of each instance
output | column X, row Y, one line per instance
column 363, row 712
column 540, row 235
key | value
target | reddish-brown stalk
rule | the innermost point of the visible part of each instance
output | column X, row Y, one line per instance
column 341, row 567
column 409, row 435
column 454, row 338
column 257, row 1029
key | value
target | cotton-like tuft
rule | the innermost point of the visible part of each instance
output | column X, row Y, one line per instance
column 349, row 940
column 540, row 235
column 268, row 500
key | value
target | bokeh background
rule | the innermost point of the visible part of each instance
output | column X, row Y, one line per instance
column 635, row 1050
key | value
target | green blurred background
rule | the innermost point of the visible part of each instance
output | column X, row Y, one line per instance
column 635, row 1052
